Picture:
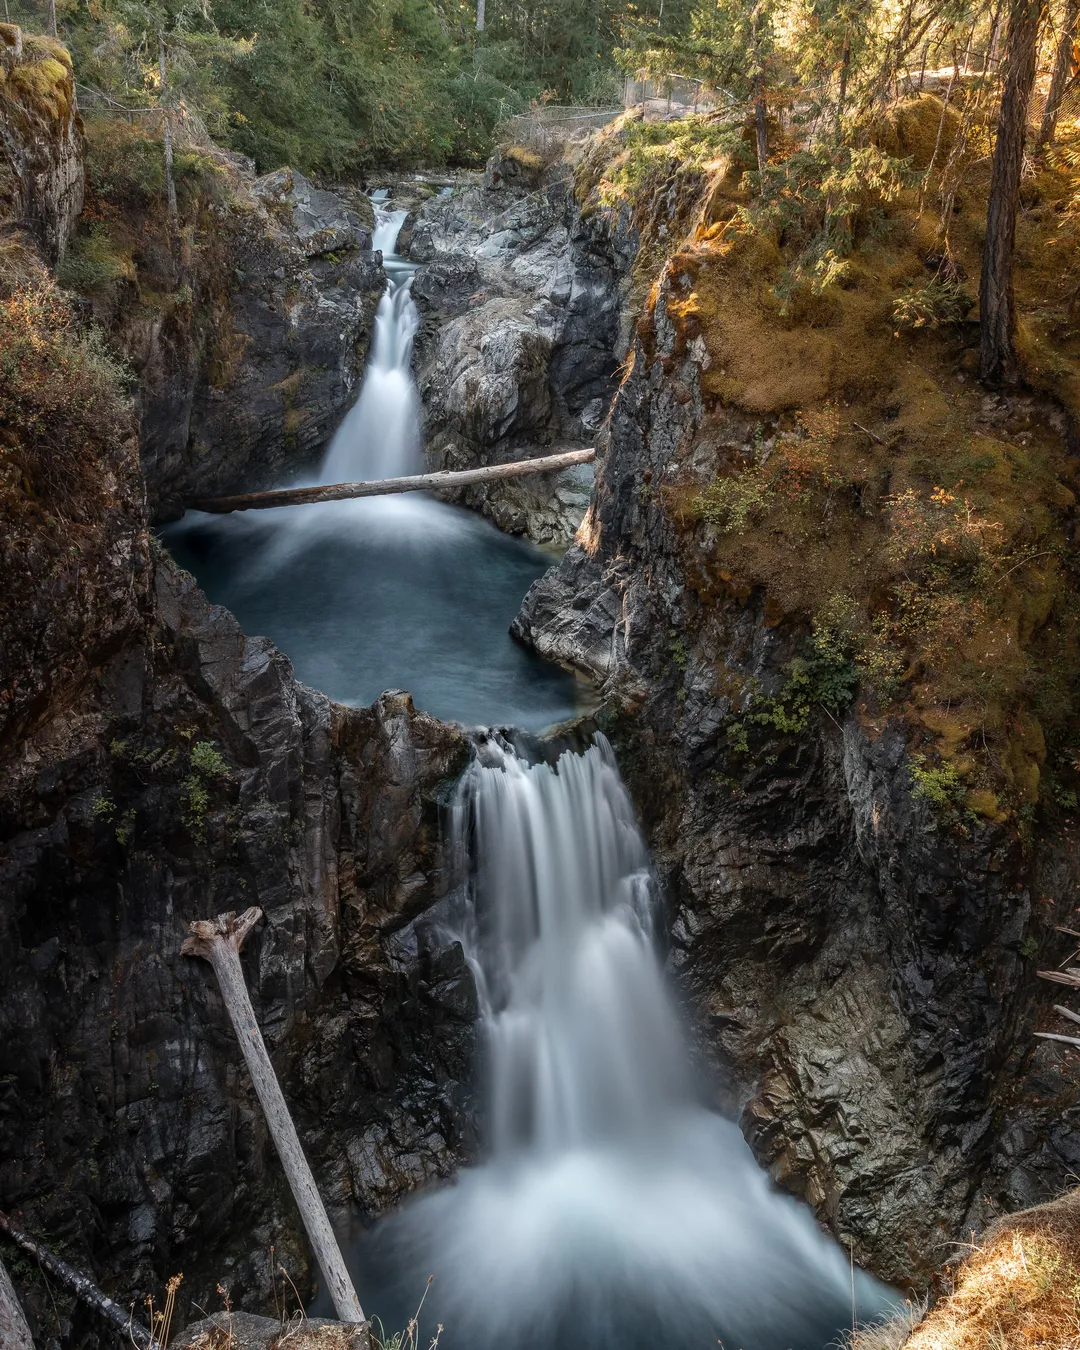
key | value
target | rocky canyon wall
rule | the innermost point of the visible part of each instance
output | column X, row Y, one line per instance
column 157, row 765
column 860, row 973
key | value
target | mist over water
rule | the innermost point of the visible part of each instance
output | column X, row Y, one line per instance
column 385, row 592
column 613, row 1209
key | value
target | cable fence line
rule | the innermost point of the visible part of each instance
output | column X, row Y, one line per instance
column 549, row 129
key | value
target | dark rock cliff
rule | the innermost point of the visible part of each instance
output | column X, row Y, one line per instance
column 189, row 776
column 157, row 765
column 255, row 390
column 859, row 974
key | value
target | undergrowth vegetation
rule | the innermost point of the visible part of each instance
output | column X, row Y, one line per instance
column 916, row 523
column 62, row 391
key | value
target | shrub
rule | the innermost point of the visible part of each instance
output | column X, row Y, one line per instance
column 938, row 302
column 93, row 262
column 939, row 786
column 734, row 504
column 206, row 765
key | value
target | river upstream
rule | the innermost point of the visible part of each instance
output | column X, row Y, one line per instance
column 611, row 1207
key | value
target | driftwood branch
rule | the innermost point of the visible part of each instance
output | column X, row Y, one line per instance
column 1060, row 977
column 219, row 941
column 420, row 482
column 1067, row 1013
column 83, row 1289
column 14, row 1332
column 1053, row 1036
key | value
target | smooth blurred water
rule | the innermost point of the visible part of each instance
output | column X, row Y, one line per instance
column 392, row 593
column 613, row 1211
column 385, row 592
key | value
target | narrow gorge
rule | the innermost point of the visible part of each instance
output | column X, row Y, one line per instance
column 657, row 858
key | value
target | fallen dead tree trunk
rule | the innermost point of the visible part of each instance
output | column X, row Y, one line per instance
column 421, row 482
column 1071, row 977
column 84, row 1289
column 14, row 1332
column 219, row 941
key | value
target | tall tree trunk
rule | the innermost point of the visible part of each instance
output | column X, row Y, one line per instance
column 997, row 348
column 52, row 18
column 166, row 132
column 480, row 11
column 845, row 66
column 761, row 124
column 1060, row 77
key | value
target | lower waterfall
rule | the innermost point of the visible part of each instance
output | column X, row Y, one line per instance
column 613, row 1208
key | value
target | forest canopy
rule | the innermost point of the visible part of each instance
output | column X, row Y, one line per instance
column 334, row 86
column 339, row 85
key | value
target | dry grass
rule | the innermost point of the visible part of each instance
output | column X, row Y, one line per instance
column 304, row 1336
column 891, row 1334
column 1018, row 1290
column 530, row 163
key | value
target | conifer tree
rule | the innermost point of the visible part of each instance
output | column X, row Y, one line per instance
column 997, row 345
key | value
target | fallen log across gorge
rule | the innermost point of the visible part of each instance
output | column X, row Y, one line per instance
column 421, row 482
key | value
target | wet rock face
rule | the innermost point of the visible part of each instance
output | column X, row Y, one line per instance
column 191, row 776
column 260, row 390
column 855, row 974
column 41, row 140
column 521, row 303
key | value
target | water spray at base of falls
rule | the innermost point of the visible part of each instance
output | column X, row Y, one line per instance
column 613, row 1210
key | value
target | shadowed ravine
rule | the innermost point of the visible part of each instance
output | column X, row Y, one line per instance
column 612, row 1207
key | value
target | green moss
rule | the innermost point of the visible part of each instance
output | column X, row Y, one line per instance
column 94, row 262
column 42, row 80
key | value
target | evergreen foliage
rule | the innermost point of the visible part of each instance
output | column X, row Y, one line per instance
column 347, row 84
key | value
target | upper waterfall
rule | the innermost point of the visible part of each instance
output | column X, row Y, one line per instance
column 380, row 436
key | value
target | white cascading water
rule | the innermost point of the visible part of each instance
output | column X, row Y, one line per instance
column 387, row 592
column 614, row 1210
column 380, row 436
